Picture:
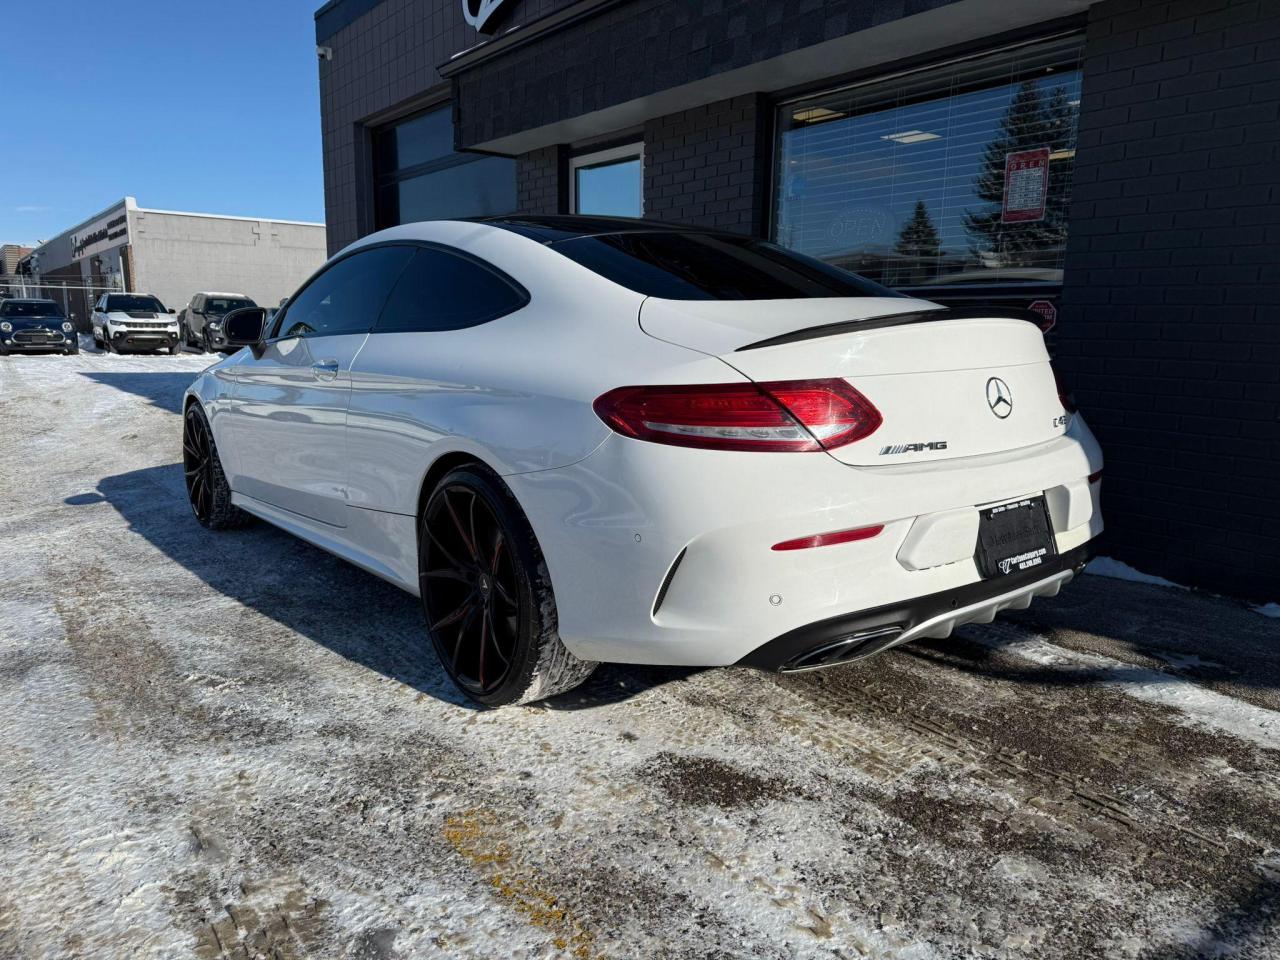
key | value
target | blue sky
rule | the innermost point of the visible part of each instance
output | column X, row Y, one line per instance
column 212, row 107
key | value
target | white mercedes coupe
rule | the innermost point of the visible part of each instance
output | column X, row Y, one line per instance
column 585, row 439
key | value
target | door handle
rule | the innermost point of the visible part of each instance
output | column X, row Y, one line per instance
column 325, row 369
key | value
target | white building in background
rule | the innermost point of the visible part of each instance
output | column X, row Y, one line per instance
column 173, row 254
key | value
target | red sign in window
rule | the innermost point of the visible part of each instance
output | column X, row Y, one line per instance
column 1047, row 310
column 1026, row 183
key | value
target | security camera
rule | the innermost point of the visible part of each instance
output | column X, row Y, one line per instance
column 324, row 53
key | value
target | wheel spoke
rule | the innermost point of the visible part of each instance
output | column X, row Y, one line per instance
column 503, row 595
column 457, row 644
column 440, row 546
column 444, row 573
column 197, row 497
column 471, row 523
column 471, row 549
column 497, row 647
column 497, row 554
column 463, row 610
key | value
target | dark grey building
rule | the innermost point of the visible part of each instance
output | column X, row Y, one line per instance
column 1114, row 165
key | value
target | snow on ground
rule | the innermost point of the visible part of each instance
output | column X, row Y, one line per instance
column 1268, row 610
column 222, row 745
column 1119, row 570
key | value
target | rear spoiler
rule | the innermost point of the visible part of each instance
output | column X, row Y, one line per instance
column 897, row 320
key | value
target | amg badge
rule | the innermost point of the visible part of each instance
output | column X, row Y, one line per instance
column 897, row 448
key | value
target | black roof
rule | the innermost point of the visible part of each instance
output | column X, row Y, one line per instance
column 552, row 229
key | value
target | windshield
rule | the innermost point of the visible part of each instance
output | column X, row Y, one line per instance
column 707, row 266
column 131, row 303
column 221, row 305
column 30, row 308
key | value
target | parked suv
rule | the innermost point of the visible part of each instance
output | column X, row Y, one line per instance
column 133, row 321
column 201, row 320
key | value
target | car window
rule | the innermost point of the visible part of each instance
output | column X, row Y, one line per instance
column 131, row 303
column 708, row 266
column 440, row 290
column 227, row 304
column 30, row 308
column 346, row 297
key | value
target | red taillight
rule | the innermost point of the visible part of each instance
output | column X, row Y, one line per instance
column 1095, row 477
column 789, row 415
column 830, row 539
column 1068, row 401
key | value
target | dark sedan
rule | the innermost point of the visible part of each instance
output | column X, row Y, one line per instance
column 28, row 326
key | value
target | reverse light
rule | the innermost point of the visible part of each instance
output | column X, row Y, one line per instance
column 779, row 416
column 830, row 539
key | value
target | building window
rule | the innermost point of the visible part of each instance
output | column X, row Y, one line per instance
column 955, row 175
column 418, row 176
column 609, row 183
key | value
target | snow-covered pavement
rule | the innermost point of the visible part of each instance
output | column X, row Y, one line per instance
column 233, row 745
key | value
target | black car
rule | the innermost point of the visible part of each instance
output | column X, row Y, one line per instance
column 28, row 326
column 201, row 321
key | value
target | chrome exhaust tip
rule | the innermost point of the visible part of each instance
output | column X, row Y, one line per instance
column 856, row 646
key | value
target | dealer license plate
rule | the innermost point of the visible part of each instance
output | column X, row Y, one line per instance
column 1014, row 537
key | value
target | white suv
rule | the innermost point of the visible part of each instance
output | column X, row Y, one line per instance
column 134, row 321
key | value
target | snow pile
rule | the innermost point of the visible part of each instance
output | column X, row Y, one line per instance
column 1107, row 567
column 1269, row 610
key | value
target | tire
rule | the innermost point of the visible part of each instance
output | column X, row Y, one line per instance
column 487, row 596
column 106, row 343
column 207, row 489
column 175, row 349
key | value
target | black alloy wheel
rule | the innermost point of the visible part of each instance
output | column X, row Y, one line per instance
column 470, row 589
column 207, row 486
column 486, row 594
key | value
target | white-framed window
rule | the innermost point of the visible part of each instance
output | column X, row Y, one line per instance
column 609, row 182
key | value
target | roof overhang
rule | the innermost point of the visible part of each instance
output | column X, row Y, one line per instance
column 958, row 23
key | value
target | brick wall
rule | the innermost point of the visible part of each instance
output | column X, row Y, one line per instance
column 541, row 181
column 1170, row 330
column 643, row 46
column 385, row 56
column 709, row 165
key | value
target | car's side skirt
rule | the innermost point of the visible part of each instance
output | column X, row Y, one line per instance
column 383, row 544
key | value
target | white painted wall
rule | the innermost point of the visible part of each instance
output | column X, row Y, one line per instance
column 178, row 254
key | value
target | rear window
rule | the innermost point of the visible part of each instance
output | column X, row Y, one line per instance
column 20, row 308
column 705, row 266
column 130, row 303
column 226, row 304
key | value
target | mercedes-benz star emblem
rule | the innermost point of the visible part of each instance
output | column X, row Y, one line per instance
column 999, row 397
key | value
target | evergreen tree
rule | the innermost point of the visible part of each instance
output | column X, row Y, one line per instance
column 1036, row 118
column 919, row 245
column 919, row 242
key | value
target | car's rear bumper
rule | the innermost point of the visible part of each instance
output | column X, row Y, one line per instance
column 858, row 635
column 663, row 554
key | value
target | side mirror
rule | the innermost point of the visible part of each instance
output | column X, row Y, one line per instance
column 171, row 310
column 244, row 327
